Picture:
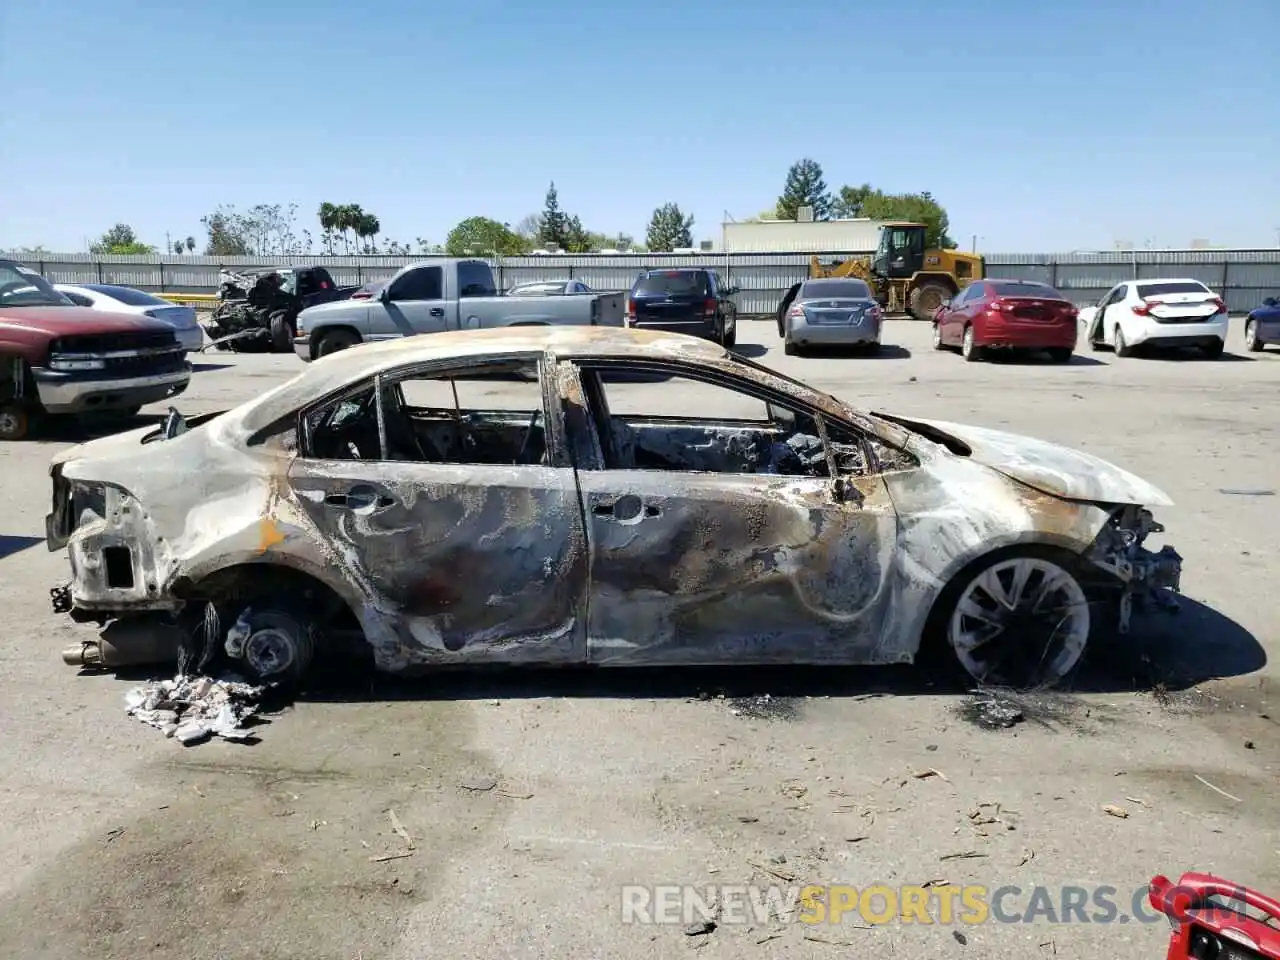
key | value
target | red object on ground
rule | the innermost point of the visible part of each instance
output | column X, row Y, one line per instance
column 1205, row 930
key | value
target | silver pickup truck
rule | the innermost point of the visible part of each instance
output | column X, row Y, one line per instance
column 437, row 295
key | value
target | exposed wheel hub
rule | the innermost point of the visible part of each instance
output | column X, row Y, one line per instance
column 269, row 652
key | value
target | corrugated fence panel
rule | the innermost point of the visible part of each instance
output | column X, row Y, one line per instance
column 1250, row 275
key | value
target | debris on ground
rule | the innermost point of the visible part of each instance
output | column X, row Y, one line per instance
column 479, row 784
column 192, row 709
column 1218, row 789
column 1115, row 811
column 993, row 712
column 764, row 706
column 700, row 928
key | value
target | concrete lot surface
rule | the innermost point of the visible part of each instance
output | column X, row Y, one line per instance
column 533, row 800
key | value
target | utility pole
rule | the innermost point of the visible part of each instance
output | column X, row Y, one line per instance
column 168, row 244
column 974, row 248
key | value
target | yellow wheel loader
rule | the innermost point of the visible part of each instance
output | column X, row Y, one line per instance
column 905, row 276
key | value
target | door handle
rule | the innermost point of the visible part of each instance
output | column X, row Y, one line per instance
column 626, row 509
column 437, row 311
column 358, row 498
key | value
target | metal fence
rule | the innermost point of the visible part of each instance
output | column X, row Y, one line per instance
column 1242, row 277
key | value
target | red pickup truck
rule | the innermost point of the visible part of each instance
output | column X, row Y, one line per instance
column 57, row 358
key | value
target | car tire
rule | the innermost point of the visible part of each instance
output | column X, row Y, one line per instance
column 1035, row 648
column 730, row 338
column 277, row 646
column 1252, row 342
column 1214, row 350
column 281, row 332
column 790, row 348
column 1061, row 354
column 969, row 349
column 1122, row 346
column 15, row 422
column 334, row 340
column 937, row 337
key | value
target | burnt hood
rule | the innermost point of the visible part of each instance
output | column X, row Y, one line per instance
column 1047, row 467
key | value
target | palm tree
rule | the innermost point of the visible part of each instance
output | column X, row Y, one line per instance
column 369, row 227
column 328, row 223
column 191, row 244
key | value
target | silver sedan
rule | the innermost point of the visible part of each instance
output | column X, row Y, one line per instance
column 110, row 296
column 839, row 312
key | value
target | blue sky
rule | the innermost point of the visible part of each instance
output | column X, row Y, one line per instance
column 1040, row 127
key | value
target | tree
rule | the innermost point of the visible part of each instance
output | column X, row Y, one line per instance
column 850, row 200
column 805, row 188
column 554, row 229
column 428, row 249
column 669, row 229
column 480, row 236
column 530, row 227
column 916, row 207
column 266, row 229
column 328, row 217
column 179, row 247
column 577, row 239
column 120, row 239
column 190, row 244
column 367, row 229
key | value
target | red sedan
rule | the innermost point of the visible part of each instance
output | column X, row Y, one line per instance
column 1012, row 314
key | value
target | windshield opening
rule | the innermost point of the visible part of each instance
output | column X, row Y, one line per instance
column 22, row 287
column 1176, row 286
column 134, row 298
column 834, row 289
column 673, row 284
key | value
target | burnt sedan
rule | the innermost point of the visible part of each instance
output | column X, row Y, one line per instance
column 544, row 495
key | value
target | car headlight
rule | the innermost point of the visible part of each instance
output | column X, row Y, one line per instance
column 68, row 366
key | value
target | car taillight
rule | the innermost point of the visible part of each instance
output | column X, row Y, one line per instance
column 709, row 307
column 999, row 305
column 874, row 311
column 361, row 295
column 796, row 312
column 630, row 311
column 1220, row 304
column 1144, row 308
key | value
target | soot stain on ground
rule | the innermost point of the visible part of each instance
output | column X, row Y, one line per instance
column 766, row 707
column 996, row 709
column 268, row 854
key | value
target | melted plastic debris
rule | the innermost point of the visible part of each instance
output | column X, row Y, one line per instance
column 192, row 709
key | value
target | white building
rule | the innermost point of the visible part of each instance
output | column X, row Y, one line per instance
column 800, row 236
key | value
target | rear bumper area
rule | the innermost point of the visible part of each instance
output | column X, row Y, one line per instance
column 1026, row 335
column 834, row 334
column 705, row 329
column 1156, row 334
column 302, row 347
column 91, row 390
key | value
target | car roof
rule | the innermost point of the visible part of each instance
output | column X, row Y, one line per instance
column 348, row 366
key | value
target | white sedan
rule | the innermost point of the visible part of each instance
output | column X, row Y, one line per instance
column 1157, row 313
column 109, row 296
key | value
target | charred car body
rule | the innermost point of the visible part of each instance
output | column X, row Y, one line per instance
column 580, row 532
column 57, row 358
column 258, row 309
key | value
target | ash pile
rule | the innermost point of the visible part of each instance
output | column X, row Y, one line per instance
column 191, row 709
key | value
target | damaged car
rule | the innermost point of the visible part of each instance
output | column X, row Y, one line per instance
column 545, row 495
column 258, row 309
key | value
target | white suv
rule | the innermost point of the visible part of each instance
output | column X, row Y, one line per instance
column 1157, row 313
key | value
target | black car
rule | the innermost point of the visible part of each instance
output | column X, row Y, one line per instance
column 688, row 300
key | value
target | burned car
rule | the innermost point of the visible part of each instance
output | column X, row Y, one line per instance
column 258, row 309
column 521, row 496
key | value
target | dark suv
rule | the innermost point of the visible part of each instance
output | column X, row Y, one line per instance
column 685, row 300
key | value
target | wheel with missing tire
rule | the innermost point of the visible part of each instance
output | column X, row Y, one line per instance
column 15, row 422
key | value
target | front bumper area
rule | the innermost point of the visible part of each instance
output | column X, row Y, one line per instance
column 302, row 347
column 92, row 390
column 1144, row 574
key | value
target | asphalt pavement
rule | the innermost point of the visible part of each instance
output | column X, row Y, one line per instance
column 594, row 816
